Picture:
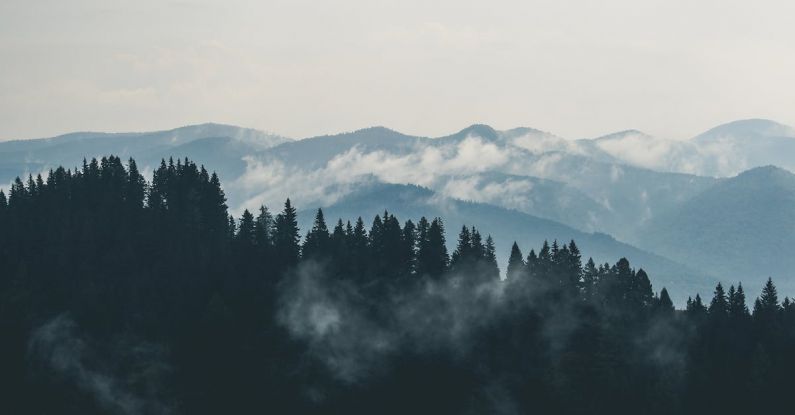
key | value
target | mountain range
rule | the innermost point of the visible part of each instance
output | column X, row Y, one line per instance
column 689, row 212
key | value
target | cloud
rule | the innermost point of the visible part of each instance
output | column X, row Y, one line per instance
column 269, row 181
column 714, row 158
column 336, row 320
column 511, row 193
column 58, row 347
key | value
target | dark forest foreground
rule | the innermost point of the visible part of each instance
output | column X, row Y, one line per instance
column 122, row 296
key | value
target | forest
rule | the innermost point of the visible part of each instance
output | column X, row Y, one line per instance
column 120, row 295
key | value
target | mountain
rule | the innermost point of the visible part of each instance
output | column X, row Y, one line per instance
column 751, row 143
column 638, row 188
column 34, row 156
column 755, row 128
column 518, row 169
column 723, row 151
column 743, row 228
column 544, row 198
column 315, row 152
column 506, row 226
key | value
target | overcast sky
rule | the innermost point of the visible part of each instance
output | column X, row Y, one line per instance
column 581, row 68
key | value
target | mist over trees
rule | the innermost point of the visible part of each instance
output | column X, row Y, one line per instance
column 122, row 296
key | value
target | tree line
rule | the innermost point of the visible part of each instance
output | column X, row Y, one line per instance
column 120, row 295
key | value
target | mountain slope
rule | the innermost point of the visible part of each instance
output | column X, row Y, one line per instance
column 754, row 128
column 315, row 152
column 33, row 156
column 741, row 228
column 506, row 226
column 750, row 143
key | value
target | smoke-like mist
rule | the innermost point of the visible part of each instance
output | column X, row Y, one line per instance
column 128, row 381
column 337, row 321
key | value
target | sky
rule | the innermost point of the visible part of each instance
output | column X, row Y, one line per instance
column 577, row 68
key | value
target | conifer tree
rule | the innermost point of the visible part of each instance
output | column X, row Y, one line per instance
column 719, row 306
column 516, row 264
column 696, row 309
column 642, row 294
column 463, row 251
column 590, row 279
column 490, row 259
column 408, row 254
column 432, row 258
column 317, row 241
column 245, row 237
column 738, row 309
column 768, row 300
column 135, row 191
column 263, row 228
column 285, row 238
column 531, row 265
column 478, row 249
column 664, row 304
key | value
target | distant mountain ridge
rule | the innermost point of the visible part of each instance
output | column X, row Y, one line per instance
column 742, row 228
column 750, row 128
column 641, row 190
column 505, row 226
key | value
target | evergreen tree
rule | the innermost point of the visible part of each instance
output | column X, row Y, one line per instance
column 245, row 237
column 317, row 241
column 642, row 296
column 590, row 279
column 738, row 309
column 432, row 258
column 696, row 308
column 664, row 304
column 492, row 272
column 285, row 237
column 463, row 252
column 719, row 306
column 516, row 264
column 408, row 248
column 531, row 265
column 767, row 303
column 263, row 228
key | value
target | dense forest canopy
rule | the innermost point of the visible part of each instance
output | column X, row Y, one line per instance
column 118, row 295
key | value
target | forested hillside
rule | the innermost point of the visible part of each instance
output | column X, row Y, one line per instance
column 122, row 296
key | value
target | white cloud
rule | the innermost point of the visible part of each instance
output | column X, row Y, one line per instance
column 270, row 181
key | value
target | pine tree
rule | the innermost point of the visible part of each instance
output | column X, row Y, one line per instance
column 664, row 304
column 695, row 308
column 245, row 237
column 263, row 228
column 463, row 252
column 738, row 309
column 285, row 238
column 408, row 254
column 543, row 265
column 135, row 191
column 478, row 249
column 432, row 258
column 590, row 279
column 359, row 249
column 769, row 297
column 719, row 306
column 317, row 241
column 642, row 294
column 571, row 268
column 516, row 264
column 531, row 265
column 490, row 259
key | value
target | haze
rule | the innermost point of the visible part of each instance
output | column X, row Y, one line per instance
column 300, row 68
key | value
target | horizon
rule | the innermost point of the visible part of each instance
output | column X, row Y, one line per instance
column 333, row 133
